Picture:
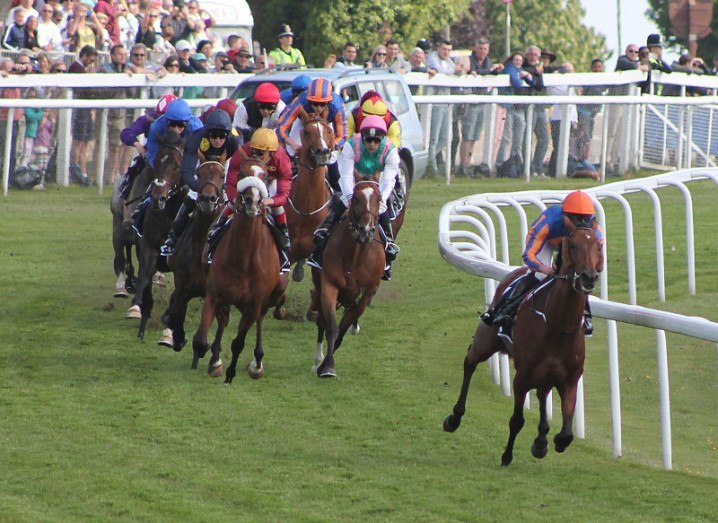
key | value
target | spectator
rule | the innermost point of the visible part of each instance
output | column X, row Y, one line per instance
column 349, row 55
column 440, row 61
column 104, row 40
column 416, row 60
column 199, row 31
column 205, row 47
column 395, row 59
column 44, row 146
column 424, row 45
column 33, row 115
column 8, row 67
column 139, row 64
column 163, row 45
column 14, row 38
column 25, row 6
column 48, row 33
column 127, row 24
column 222, row 64
column 83, row 126
column 655, row 53
column 285, row 54
column 31, row 34
column 378, row 58
column 117, row 159
column 200, row 62
column 263, row 62
column 534, row 65
column 515, row 121
column 81, row 33
column 587, row 114
column 43, row 64
column 184, row 48
column 146, row 29
column 714, row 69
column 236, row 42
column 547, row 57
column 556, row 118
column 107, row 8
column 177, row 18
column 330, row 61
column 240, row 60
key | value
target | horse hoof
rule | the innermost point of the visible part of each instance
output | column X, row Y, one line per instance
column 254, row 372
column 134, row 313
column 280, row 314
column 354, row 329
column 179, row 346
column 216, row 371
column 537, row 452
column 451, row 423
column 506, row 459
column 159, row 279
column 166, row 340
column 121, row 293
column 312, row 316
column 327, row 373
column 298, row 274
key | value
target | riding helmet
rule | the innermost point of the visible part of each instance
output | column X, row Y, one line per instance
column 375, row 106
column 265, row 139
column 178, row 110
column 320, row 90
column 578, row 202
column 300, row 84
column 218, row 120
column 373, row 125
column 266, row 93
column 162, row 104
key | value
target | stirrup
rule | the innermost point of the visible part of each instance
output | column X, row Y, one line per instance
column 391, row 249
column 168, row 248
column 312, row 262
column 505, row 334
column 487, row 318
column 387, row 273
column 587, row 327
column 320, row 235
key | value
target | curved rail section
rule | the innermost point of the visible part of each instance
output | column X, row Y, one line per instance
column 473, row 236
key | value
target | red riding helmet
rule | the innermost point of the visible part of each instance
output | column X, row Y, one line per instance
column 164, row 103
column 266, row 93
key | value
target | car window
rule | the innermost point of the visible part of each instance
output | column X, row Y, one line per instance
column 393, row 92
column 350, row 94
column 246, row 89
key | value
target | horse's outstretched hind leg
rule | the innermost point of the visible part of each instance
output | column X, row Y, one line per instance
column 539, row 448
column 568, row 404
column 516, row 422
column 482, row 347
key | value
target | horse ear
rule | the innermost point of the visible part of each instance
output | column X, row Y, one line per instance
column 570, row 227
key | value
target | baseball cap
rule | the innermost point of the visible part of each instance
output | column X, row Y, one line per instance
column 183, row 45
column 199, row 56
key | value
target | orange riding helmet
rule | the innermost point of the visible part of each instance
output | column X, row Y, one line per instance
column 578, row 202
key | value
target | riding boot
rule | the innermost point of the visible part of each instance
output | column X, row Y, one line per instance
column 505, row 310
column 178, row 226
column 138, row 216
column 315, row 259
column 215, row 233
column 281, row 236
column 336, row 209
column 587, row 321
column 135, row 168
column 333, row 177
column 390, row 248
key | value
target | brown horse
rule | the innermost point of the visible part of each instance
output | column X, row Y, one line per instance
column 310, row 195
column 190, row 273
column 548, row 344
column 353, row 264
column 166, row 200
column 244, row 273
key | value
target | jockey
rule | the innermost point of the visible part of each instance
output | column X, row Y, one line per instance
column 543, row 239
column 320, row 100
column 228, row 105
column 372, row 103
column 212, row 143
column 261, row 110
column 298, row 86
column 367, row 153
column 177, row 117
column 264, row 146
column 130, row 136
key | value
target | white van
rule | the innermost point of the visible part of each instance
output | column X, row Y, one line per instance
column 230, row 17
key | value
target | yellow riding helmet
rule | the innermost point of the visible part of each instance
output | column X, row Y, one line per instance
column 374, row 106
column 265, row 139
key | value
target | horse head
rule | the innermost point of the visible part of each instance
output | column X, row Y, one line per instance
column 364, row 210
column 251, row 188
column 317, row 139
column 582, row 257
column 167, row 168
column 210, row 176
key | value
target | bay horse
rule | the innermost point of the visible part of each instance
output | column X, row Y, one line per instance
column 166, row 199
column 310, row 195
column 187, row 263
column 353, row 264
column 244, row 273
column 548, row 341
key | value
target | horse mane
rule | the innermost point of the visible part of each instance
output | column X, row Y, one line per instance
column 252, row 181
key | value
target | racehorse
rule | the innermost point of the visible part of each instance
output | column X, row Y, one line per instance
column 244, row 273
column 187, row 263
column 548, row 341
column 353, row 264
column 310, row 195
column 166, row 200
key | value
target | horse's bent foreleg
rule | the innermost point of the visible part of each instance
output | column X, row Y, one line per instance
column 238, row 343
column 539, row 448
column 350, row 318
column 199, row 342
column 482, row 347
column 517, row 420
column 255, row 369
column 568, row 404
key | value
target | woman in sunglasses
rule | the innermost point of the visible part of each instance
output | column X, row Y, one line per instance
column 212, row 143
column 368, row 153
column 260, row 110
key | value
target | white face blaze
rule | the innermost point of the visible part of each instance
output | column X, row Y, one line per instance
column 321, row 135
column 257, row 170
column 367, row 193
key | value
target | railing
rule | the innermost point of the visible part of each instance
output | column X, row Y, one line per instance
column 474, row 237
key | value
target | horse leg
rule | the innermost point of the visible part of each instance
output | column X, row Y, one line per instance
column 148, row 302
column 540, row 444
column 350, row 319
column 329, row 295
column 129, row 269
column 484, row 344
column 298, row 272
column 255, row 369
column 178, row 313
column 568, row 404
column 319, row 352
column 215, row 368
column 517, row 420
column 199, row 342
column 238, row 345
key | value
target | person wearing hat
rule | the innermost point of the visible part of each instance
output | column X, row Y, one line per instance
column 184, row 48
column 424, row 45
column 285, row 54
column 547, row 57
column 240, row 59
column 199, row 62
column 655, row 53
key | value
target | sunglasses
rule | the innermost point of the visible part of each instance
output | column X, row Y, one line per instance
column 258, row 153
column 268, row 107
column 372, row 139
column 141, row 55
column 172, row 65
column 319, row 104
column 215, row 135
column 177, row 123
column 380, row 54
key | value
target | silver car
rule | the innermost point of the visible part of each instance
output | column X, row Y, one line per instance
column 352, row 83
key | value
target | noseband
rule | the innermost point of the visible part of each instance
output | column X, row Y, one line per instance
column 353, row 220
column 574, row 277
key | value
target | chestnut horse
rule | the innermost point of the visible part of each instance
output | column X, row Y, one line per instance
column 244, row 273
column 310, row 195
column 166, row 200
column 548, row 343
column 353, row 264
column 187, row 264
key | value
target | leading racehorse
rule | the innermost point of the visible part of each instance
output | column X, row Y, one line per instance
column 244, row 273
column 352, row 267
column 548, row 341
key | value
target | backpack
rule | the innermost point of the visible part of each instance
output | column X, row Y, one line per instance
column 25, row 177
column 511, row 168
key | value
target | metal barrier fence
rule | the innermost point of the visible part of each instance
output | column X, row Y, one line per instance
column 473, row 236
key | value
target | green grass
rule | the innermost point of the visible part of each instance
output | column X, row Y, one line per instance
column 97, row 426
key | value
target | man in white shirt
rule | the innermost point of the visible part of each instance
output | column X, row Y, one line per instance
column 48, row 32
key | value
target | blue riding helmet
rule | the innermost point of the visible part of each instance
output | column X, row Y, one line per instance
column 178, row 111
column 218, row 120
column 300, row 83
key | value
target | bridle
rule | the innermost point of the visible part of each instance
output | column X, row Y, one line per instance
column 353, row 220
column 574, row 276
column 214, row 200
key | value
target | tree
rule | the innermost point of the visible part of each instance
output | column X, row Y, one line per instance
column 707, row 47
column 556, row 25
column 324, row 26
